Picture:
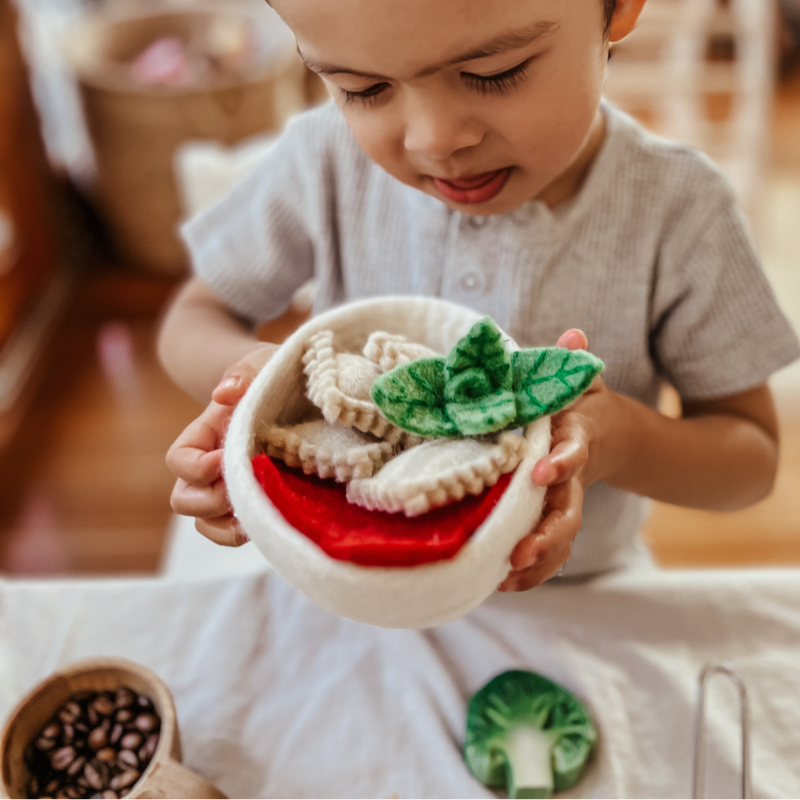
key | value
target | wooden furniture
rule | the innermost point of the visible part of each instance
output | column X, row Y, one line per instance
column 701, row 72
column 31, row 286
column 165, row 776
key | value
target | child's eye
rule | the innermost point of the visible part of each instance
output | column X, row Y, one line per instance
column 502, row 83
column 366, row 96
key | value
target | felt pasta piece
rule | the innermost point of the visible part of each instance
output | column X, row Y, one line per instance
column 390, row 350
column 481, row 388
column 330, row 451
column 437, row 473
column 339, row 385
column 319, row 510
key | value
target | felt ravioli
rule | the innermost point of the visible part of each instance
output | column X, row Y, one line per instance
column 480, row 387
column 437, row 473
column 330, row 451
column 389, row 350
column 339, row 385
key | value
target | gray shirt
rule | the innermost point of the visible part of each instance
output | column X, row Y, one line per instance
column 652, row 259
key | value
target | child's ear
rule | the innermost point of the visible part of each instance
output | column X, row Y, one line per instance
column 624, row 19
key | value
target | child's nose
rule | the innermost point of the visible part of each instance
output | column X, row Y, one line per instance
column 436, row 131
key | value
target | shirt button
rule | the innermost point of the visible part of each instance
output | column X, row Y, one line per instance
column 470, row 281
column 477, row 222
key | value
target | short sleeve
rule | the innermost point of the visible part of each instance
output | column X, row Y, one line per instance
column 717, row 328
column 255, row 247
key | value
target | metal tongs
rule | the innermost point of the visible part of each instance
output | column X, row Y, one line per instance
column 708, row 671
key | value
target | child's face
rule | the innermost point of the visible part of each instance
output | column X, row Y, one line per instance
column 483, row 104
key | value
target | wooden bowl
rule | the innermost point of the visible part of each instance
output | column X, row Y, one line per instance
column 165, row 776
column 422, row 596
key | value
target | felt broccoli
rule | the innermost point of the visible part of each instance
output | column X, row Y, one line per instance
column 527, row 734
column 481, row 388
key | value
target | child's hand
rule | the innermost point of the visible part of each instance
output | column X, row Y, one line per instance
column 196, row 455
column 541, row 554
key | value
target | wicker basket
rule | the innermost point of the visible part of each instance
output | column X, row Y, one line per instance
column 136, row 130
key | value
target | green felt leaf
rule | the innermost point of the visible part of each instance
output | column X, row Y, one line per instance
column 482, row 349
column 479, row 388
column 412, row 397
column 548, row 379
column 494, row 412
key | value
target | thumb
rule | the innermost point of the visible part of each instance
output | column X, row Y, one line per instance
column 238, row 377
column 573, row 339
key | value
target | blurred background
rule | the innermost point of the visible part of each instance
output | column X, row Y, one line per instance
column 120, row 118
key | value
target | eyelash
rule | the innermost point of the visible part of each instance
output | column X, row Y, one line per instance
column 500, row 84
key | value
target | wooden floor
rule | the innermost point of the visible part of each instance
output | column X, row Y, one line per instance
column 84, row 484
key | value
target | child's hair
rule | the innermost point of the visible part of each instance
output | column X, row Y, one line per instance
column 610, row 6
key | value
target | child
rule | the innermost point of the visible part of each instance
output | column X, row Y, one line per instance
column 471, row 157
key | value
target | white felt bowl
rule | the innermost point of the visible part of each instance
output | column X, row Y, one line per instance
column 392, row 597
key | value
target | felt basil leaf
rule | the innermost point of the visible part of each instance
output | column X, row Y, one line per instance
column 482, row 351
column 412, row 397
column 479, row 388
column 547, row 379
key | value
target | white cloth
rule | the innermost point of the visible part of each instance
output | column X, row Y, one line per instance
column 276, row 698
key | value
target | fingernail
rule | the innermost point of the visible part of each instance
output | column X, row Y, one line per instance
column 228, row 383
column 241, row 538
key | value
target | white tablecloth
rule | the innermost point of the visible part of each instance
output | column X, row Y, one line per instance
column 277, row 698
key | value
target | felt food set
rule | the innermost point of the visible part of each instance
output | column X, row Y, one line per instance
column 381, row 461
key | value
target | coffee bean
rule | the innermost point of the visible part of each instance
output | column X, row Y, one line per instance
column 108, row 795
column 65, row 716
column 107, row 754
column 124, row 698
column 52, row 787
column 44, row 744
column 104, row 705
column 76, row 766
column 146, row 723
column 62, row 758
column 124, row 715
column 124, row 779
column 98, row 739
column 127, row 759
column 52, row 731
column 95, row 777
column 69, row 733
column 73, row 708
column 144, row 701
column 82, row 727
column 92, row 715
column 131, row 741
column 146, row 753
column 116, row 732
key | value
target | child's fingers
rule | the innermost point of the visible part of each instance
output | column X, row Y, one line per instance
column 543, row 570
column 237, row 378
column 195, row 465
column 191, row 500
column 573, row 339
column 223, row 530
column 568, row 456
column 559, row 526
column 195, row 455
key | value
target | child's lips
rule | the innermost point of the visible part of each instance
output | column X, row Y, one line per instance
column 473, row 188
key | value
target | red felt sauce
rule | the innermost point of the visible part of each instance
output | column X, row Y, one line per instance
column 319, row 509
